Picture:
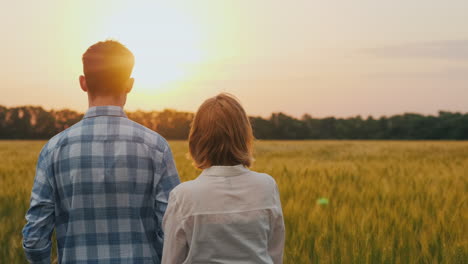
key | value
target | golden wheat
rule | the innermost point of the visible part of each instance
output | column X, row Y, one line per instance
column 385, row 202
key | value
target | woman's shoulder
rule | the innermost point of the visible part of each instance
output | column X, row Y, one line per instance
column 183, row 188
column 189, row 190
column 263, row 177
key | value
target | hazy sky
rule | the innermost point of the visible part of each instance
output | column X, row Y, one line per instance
column 325, row 58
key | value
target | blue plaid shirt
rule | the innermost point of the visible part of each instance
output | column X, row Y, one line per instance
column 103, row 184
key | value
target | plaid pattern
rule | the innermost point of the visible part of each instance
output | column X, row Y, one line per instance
column 103, row 184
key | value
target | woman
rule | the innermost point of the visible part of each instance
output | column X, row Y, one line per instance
column 229, row 214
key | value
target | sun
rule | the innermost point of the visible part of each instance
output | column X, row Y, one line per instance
column 165, row 39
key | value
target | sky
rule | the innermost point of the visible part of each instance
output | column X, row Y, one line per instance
column 324, row 58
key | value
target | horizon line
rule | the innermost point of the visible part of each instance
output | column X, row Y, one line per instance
column 437, row 113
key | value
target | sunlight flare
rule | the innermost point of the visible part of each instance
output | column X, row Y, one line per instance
column 165, row 40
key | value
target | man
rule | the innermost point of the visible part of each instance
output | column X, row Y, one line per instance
column 103, row 184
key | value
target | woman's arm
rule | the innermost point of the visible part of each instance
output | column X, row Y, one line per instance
column 168, row 179
column 175, row 247
column 276, row 238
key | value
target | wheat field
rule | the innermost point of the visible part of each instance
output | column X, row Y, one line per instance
column 343, row 201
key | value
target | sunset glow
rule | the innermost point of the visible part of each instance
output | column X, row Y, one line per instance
column 308, row 57
column 166, row 44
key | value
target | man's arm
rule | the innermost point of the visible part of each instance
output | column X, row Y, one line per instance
column 169, row 179
column 40, row 217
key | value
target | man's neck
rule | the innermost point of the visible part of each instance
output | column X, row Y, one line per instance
column 93, row 105
column 106, row 101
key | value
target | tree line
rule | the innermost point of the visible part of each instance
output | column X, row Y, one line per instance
column 31, row 122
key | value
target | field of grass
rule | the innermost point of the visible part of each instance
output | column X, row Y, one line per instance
column 388, row 202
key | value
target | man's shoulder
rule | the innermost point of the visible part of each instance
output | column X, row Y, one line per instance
column 147, row 136
column 61, row 138
column 130, row 130
column 55, row 143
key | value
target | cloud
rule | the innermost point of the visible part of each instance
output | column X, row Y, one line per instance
column 443, row 74
column 447, row 50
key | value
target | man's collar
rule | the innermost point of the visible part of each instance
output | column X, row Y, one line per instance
column 107, row 110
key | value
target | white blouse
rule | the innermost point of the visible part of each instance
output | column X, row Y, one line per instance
column 229, row 214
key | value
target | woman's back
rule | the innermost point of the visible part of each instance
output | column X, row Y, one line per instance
column 229, row 214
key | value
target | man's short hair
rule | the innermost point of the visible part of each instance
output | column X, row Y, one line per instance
column 107, row 65
column 221, row 134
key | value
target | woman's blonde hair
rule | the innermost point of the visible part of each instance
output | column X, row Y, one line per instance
column 221, row 133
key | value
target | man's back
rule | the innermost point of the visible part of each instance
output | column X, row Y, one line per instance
column 103, row 184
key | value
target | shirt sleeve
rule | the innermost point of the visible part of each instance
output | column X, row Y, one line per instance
column 169, row 178
column 40, row 217
column 277, row 235
column 175, row 241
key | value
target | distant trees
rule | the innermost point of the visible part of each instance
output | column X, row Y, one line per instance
column 445, row 125
column 29, row 122
column 170, row 124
